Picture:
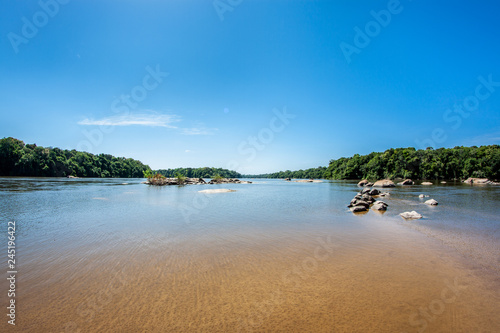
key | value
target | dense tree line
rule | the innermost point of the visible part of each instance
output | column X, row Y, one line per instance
column 19, row 159
column 442, row 163
column 314, row 173
column 198, row 172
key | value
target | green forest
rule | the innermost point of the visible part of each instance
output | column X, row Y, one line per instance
column 442, row 163
column 198, row 172
column 19, row 159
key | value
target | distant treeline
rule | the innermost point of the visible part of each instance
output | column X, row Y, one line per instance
column 18, row 159
column 442, row 163
column 314, row 173
column 198, row 172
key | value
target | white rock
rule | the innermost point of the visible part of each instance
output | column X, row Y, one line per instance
column 413, row 215
column 431, row 202
column 219, row 190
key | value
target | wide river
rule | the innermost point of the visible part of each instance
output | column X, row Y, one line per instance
column 115, row 255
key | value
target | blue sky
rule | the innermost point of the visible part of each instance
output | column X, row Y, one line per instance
column 256, row 86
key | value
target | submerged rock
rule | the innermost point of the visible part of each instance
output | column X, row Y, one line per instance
column 413, row 215
column 431, row 202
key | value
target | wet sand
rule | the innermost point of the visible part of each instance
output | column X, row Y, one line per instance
column 377, row 276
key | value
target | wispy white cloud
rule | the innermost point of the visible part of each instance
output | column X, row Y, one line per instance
column 149, row 118
column 198, row 131
column 144, row 119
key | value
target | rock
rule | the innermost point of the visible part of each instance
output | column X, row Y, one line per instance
column 369, row 185
column 478, row 181
column 384, row 183
column 365, row 190
column 384, row 194
column 407, row 182
column 359, row 203
column 431, row 202
column 426, row 183
column 363, row 182
column 367, row 198
column 413, row 215
column 379, row 205
column 288, row 179
column 303, row 181
column 443, row 182
column 374, row 191
column 218, row 190
column 423, row 196
column 357, row 209
column 72, row 177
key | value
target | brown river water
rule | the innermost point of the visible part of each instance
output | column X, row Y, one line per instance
column 115, row 255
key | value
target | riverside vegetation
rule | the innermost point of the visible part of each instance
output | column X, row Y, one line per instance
column 20, row 159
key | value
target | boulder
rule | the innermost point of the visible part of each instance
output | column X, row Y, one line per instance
column 478, row 181
column 443, row 182
column 366, row 190
column 379, row 205
column 369, row 185
column 426, row 183
column 384, row 183
column 288, row 179
column 413, row 215
column 367, row 198
column 359, row 203
column 407, row 182
column 374, row 191
column 363, row 182
column 431, row 202
column 357, row 209
column 384, row 194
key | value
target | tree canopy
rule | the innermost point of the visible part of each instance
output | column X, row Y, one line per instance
column 198, row 172
column 442, row 163
column 19, row 159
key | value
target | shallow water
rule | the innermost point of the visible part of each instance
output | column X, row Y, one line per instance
column 98, row 255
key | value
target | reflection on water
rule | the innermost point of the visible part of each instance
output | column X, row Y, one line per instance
column 99, row 255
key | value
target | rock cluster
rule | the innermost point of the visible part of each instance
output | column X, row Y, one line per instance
column 364, row 199
column 192, row 181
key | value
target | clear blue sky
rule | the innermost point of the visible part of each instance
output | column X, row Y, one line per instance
column 427, row 75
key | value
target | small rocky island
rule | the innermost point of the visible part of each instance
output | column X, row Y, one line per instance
column 179, row 180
